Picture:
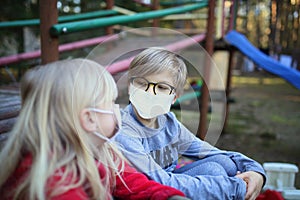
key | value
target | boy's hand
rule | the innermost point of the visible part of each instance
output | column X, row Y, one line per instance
column 254, row 183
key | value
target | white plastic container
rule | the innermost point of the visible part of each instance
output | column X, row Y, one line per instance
column 280, row 176
column 291, row 194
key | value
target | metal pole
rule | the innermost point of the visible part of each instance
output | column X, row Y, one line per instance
column 67, row 18
column 65, row 28
column 48, row 17
column 209, row 46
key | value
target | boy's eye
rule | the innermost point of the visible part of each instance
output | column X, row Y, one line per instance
column 163, row 87
column 140, row 82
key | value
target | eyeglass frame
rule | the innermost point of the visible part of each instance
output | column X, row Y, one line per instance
column 154, row 84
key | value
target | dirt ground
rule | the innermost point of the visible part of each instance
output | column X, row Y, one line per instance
column 264, row 120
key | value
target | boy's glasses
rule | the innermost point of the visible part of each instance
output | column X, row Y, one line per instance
column 158, row 88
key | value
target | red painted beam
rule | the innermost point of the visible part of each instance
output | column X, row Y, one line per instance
column 114, row 68
column 62, row 48
column 124, row 64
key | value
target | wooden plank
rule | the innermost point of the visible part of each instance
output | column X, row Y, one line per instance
column 9, row 99
column 3, row 138
column 7, row 124
column 10, row 111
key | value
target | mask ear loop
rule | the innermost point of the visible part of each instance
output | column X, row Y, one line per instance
column 101, row 111
column 115, row 119
column 101, row 136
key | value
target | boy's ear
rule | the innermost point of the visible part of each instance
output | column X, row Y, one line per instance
column 128, row 88
column 88, row 120
column 174, row 100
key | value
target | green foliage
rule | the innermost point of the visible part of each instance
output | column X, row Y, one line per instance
column 18, row 9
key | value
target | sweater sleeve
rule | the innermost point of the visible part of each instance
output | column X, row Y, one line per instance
column 199, row 149
column 135, row 185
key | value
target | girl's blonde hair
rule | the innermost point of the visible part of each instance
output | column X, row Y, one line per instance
column 155, row 60
column 48, row 129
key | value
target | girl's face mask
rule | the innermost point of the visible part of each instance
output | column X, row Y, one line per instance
column 99, row 135
column 117, row 118
column 149, row 105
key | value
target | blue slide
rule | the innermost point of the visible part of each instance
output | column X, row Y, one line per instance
column 262, row 60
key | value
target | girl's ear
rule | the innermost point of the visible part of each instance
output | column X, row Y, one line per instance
column 88, row 120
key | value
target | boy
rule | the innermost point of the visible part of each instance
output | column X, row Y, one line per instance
column 152, row 138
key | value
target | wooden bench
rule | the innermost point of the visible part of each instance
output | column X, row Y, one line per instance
column 10, row 105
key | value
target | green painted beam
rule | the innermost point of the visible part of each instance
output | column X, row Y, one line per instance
column 178, row 2
column 68, row 18
column 71, row 27
column 187, row 96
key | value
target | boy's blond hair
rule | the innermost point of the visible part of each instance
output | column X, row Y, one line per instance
column 155, row 60
column 48, row 128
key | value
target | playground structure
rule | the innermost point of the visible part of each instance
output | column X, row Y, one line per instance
column 49, row 40
column 52, row 26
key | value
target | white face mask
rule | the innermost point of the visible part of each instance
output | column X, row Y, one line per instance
column 149, row 105
column 117, row 116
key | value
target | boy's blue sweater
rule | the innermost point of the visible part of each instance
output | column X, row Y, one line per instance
column 155, row 152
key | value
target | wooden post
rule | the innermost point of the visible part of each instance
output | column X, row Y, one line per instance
column 48, row 17
column 228, row 83
column 155, row 7
column 233, row 10
column 223, row 19
column 209, row 46
column 273, row 21
column 109, row 5
column 220, row 17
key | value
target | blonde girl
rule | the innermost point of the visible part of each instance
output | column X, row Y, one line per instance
column 58, row 148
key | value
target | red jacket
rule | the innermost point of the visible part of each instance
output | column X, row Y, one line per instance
column 141, row 187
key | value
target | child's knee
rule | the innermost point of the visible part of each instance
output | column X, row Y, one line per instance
column 206, row 168
column 226, row 163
